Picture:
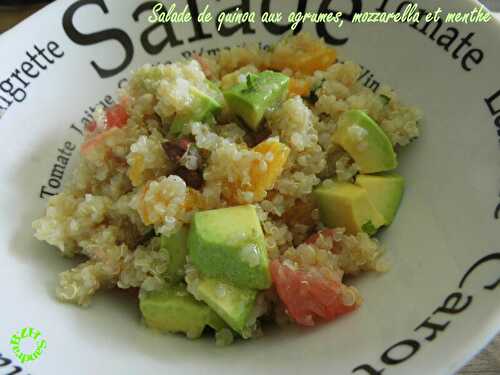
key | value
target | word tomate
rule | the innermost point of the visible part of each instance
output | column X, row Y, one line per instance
column 54, row 181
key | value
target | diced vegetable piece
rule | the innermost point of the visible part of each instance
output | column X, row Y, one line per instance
column 234, row 305
column 385, row 192
column 96, row 140
column 202, row 108
column 176, row 247
column 365, row 141
column 116, row 117
column 309, row 295
column 251, row 99
column 342, row 204
column 173, row 309
column 228, row 244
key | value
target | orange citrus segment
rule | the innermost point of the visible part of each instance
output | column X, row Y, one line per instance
column 298, row 87
column 303, row 54
column 275, row 155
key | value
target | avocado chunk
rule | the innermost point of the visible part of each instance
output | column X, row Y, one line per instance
column 228, row 244
column 173, row 309
column 203, row 108
column 385, row 192
column 365, row 141
column 176, row 247
column 251, row 99
column 342, row 204
column 234, row 305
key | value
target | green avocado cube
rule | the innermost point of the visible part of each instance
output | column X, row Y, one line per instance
column 345, row 205
column 234, row 305
column 173, row 309
column 365, row 142
column 203, row 107
column 228, row 244
column 176, row 247
column 385, row 192
column 260, row 92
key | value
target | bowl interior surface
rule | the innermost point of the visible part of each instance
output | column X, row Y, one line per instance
column 445, row 225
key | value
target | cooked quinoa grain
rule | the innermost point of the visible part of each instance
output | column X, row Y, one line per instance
column 137, row 180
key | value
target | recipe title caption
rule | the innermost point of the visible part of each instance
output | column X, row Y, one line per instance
column 171, row 13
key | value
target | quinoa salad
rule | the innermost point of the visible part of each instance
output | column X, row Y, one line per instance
column 234, row 191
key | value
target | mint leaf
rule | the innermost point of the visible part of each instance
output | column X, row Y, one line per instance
column 313, row 96
column 251, row 82
column 369, row 228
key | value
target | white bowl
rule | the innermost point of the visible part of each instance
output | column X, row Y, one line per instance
column 432, row 312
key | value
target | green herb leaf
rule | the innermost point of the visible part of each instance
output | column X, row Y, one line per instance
column 146, row 237
column 251, row 82
column 313, row 96
column 385, row 99
column 369, row 228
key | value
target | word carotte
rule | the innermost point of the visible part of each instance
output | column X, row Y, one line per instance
column 436, row 323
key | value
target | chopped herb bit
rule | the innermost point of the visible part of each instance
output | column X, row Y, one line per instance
column 313, row 97
column 146, row 237
column 319, row 84
column 176, row 128
column 385, row 99
column 251, row 82
column 209, row 119
column 369, row 228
